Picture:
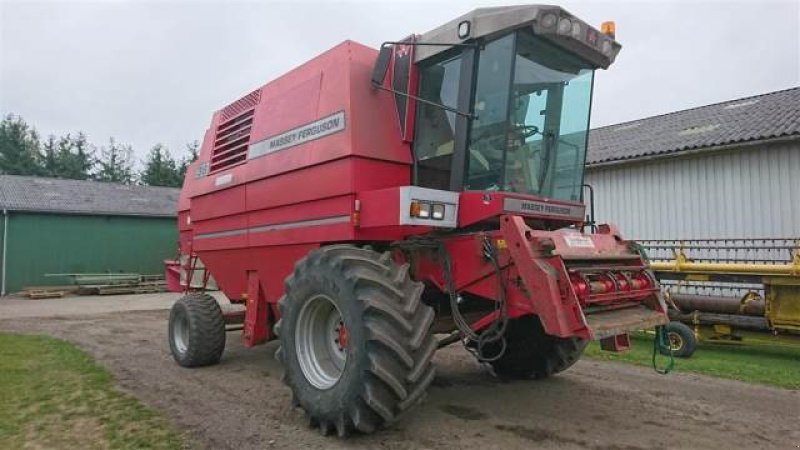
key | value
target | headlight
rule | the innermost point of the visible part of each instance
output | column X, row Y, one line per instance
column 424, row 210
column 427, row 210
column 606, row 47
column 463, row 29
column 564, row 26
column 438, row 211
column 576, row 30
column 549, row 20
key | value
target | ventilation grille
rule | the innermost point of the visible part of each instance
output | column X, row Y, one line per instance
column 249, row 101
column 233, row 134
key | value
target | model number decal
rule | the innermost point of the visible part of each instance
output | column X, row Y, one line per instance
column 300, row 135
column 223, row 179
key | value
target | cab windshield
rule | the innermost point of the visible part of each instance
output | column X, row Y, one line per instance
column 532, row 116
column 528, row 134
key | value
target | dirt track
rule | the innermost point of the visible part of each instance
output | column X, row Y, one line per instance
column 241, row 403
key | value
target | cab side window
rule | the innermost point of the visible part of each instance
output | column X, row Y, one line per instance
column 435, row 133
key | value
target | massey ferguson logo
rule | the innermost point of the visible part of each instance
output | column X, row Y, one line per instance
column 300, row 135
column 544, row 208
column 547, row 209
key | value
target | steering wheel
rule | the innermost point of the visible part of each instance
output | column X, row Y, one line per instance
column 528, row 130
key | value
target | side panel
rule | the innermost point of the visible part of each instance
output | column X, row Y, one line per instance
column 282, row 218
column 229, row 268
column 315, row 204
column 217, row 204
column 273, row 264
column 220, row 233
column 315, row 182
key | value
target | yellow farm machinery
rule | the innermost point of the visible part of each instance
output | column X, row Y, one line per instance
column 721, row 289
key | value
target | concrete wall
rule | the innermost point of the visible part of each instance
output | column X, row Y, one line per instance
column 745, row 192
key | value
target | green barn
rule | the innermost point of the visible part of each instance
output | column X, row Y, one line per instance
column 53, row 226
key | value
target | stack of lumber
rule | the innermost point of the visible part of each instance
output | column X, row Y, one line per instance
column 100, row 284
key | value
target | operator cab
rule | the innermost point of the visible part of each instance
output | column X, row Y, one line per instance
column 505, row 106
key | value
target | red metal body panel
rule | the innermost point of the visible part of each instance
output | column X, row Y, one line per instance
column 251, row 215
column 300, row 195
column 229, row 268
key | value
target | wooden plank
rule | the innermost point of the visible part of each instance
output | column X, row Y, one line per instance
column 67, row 289
column 38, row 294
column 114, row 290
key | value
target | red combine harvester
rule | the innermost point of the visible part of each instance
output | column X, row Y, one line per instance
column 369, row 207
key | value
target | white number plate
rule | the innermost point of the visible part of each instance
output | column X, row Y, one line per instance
column 578, row 240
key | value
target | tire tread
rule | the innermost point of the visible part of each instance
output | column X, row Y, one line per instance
column 207, row 336
column 533, row 354
column 399, row 345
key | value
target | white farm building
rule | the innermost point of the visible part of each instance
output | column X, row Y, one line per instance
column 727, row 170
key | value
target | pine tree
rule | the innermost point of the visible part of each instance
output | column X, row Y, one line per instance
column 161, row 169
column 20, row 152
column 75, row 157
column 115, row 163
column 50, row 162
column 193, row 149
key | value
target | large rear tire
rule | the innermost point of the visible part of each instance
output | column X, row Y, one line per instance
column 531, row 353
column 196, row 330
column 355, row 340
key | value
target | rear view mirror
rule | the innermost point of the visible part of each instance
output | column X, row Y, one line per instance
column 381, row 65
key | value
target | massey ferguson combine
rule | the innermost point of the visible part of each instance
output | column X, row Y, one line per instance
column 370, row 207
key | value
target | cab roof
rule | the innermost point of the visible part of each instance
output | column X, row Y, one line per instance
column 485, row 23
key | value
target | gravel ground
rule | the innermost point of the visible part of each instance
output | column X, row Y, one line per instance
column 16, row 307
column 242, row 404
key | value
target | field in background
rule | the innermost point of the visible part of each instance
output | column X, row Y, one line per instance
column 53, row 395
column 760, row 362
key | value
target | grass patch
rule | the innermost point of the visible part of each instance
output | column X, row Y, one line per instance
column 758, row 362
column 53, row 395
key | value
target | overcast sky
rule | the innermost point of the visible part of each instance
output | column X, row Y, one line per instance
column 153, row 71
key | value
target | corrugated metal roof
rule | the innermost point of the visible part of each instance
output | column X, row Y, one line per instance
column 766, row 116
column 19, row 193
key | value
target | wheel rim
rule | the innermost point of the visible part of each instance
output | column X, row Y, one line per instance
column 180, row 333
column 321, row 342
column 675, row 342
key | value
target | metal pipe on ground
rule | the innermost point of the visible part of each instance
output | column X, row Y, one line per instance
column 719, row 304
